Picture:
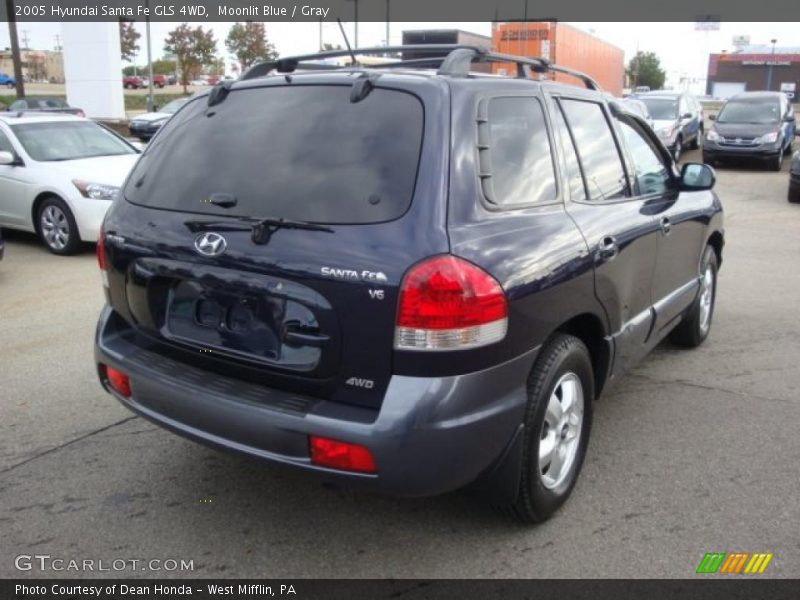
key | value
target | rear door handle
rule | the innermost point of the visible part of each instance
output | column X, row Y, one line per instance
column 608, row 249
column 666, row 226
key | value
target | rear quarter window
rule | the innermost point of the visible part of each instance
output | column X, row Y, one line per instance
column 517, row 168
column 302, row 152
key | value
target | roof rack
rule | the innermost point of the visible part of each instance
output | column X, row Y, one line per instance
column 456, row 63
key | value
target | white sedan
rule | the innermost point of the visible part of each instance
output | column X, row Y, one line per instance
column 58, row 176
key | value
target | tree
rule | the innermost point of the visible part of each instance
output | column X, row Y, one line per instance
column 163, row 67
column 128, row 41
column 193, row 48
column 645, row 69
column 248, row 43
column 326, row 47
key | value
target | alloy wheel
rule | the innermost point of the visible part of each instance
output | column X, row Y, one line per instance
column 561, row 431
column 55, row 227
column 706, row 299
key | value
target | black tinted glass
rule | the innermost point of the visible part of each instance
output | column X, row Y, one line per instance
column 577, row 190
column 521, row 160
column 602, row 167
column 756, row 113
column 295, row 152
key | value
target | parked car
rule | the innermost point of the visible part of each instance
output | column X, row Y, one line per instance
column 410, row 284
column 677, row 119
column 752, row 125
column 794, row 178
column 199, row 82
column 44, row 104
column 7, row 80
column 146, row 125
column 160, row 81
column 172, row 80
column 640, row 108
column 133, row 82
column 58, row 176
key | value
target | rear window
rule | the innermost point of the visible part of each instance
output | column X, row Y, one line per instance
column 293, row 152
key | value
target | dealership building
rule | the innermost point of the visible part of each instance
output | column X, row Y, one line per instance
column 754, row 68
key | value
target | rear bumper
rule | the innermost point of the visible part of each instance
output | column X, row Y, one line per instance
column 430, row 436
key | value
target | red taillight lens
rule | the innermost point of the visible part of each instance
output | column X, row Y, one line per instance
column 447, row 303
column 341, row 455
column 81, row 113
column 118, row 381
column 101, row 251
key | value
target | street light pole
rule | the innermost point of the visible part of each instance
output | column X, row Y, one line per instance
column 149, row 60
column 15, row 54
column 769, row 70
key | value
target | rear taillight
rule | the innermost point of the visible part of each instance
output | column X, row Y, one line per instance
column 447, row 303
column 81, row 113
column 341, row 455
column 101, row 256
column 118, row 381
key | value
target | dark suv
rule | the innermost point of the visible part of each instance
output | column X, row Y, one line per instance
column 408, row 279
column 677, row 119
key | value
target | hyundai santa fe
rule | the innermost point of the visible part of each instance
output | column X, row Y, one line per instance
column 410, row 279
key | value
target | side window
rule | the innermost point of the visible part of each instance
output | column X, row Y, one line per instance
column 5, row 144
column 577, row 188
column 652, row 175
column 520, row 162
column 598, row 152
column 18, row 105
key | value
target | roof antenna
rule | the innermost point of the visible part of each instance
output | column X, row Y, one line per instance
column 347, row 42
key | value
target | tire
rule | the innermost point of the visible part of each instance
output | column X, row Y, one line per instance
column 709, row 161
column 776, row 164
column 696, row 324
column 696, row 141
column 56, row 227
column 794, row 193
column 563, row 370
column 129, row 86
column 676, row 154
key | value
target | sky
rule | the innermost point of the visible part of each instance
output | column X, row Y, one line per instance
column 682, row 50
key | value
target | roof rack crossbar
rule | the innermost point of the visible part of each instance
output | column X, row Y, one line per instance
column 455, row 63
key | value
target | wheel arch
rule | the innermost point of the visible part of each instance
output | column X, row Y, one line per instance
column 37, row 202
column 589, row 328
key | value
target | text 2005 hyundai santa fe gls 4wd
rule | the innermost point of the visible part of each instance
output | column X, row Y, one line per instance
column 411, row 279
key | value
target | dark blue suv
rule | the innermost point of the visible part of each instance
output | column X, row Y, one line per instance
column 406, row 278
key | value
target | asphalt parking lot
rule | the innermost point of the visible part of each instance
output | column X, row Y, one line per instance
column 693, row 452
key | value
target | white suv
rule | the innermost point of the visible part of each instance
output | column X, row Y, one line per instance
column 59, row 175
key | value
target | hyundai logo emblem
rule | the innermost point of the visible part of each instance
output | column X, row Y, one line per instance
column 210, row 244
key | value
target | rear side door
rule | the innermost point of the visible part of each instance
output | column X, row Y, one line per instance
column 618, row 227
column 681, row 218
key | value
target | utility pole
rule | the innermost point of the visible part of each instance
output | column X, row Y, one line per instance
column 149, row 60
column 58, row 42
column 25, row 40
column 320, row 34
column 769, row 70
column 388, row 43
column 12, row 34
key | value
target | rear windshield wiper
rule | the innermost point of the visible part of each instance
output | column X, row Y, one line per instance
column 261, row 229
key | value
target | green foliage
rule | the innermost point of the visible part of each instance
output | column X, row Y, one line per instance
column 248, row 43
column 645, row 69
column 128, row 41
column 193, row 49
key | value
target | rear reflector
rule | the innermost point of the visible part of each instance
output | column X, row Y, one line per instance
column 341, row 455
column 101, row 256
column 447, row 303
column 118, row 381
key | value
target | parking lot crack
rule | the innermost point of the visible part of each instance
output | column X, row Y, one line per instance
column 65, row 445
column 709, row 388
